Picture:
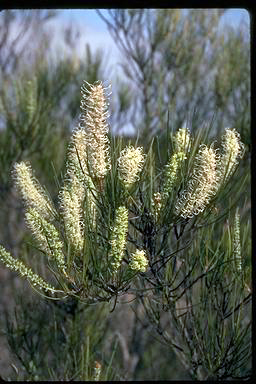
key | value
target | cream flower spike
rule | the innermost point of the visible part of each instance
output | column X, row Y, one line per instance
column 233, row 149
column 94, row 120
column 19, row 266
column 76, row 173
column 31, row 191
column 130, row 163
column 118, row 238
column 77, row 156
column 70, row 205
column 78, row 183
column 182, row 140
column 47, row 236
column 202, row 186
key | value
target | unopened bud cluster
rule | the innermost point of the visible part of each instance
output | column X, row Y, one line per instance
column 237, row 242
column 18, row 266
column 171, row 171
column 182, row 144
column 182, row 140
column 118, row 238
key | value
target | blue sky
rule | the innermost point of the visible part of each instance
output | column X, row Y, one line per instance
column 94, row 30
column 232, row 16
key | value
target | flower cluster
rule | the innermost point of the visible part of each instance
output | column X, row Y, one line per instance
column 232, row 150
column 118, row 238
column 182, row 144
column 94, row 121
column 171, row 171
column 182, row 140
column 18, row 266
column 130, row 163
column 31, row 191
column 202, row 185
column 68, row 236
column 139, row 261
column 89, row 147
column 87, row 162
column 47, row 236
column 70, row 205
column 77, row 156
column 72, row 194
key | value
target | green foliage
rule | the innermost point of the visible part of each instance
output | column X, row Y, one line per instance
column 208, row 310
column 106, row 226
column 37, row 108
column 190, row 290
column 50, row 344
column 29, row 107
